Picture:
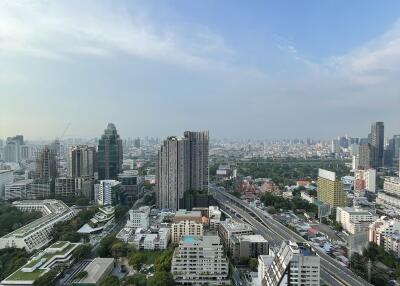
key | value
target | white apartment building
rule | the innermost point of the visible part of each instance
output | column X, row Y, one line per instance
column 18, row 190
column 6, row 177
column 37, row 233
column 293, row 264
column 353, row 220
column 367, row 177
column 392, row 186
column 228, row 228
column 105, row 191
column 143, row 240
column 214, row 217
column 387, row 233
column 139, row 218
column 186, row 227
column 200, row 261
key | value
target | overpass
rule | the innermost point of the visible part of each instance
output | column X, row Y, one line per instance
column 332, row 272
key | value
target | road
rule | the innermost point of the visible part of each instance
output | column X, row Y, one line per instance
column 332, row 272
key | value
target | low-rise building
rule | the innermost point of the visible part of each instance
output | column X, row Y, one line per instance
column 37, row 234
column 200, row 261
column 147, row 240
column 139, row 218
column 248, row 246
column 185, row 227
column 353, row 220
column 103, row 218
column 58, row 253
column 96, row 271
column 182, row 215
column 227, row 229
column 18, row 190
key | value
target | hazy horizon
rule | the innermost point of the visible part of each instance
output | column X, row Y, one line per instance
column 239, row 69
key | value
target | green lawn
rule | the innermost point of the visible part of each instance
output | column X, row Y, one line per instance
column 30, row 276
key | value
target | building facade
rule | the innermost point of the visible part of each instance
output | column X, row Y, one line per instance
column 200, row 261
column 330, row 190
column 109, row 154
column 82, row 161
column 185, row 227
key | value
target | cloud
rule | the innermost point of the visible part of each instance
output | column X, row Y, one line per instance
column 60, row 29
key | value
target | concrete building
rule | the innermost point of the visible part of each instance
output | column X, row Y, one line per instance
column 172, row 176
column 107, row 192
column 6, row 177
column 40, row 189
column 330, row 190
column 37, row 233
column 200, row 261
column 18, row 190
column 139, row 218
column 364, row 156
column 387, row 233
column 182, row 165
column 227, row 229
column 46, row 163
column 132, row 184
column 59, row 253
column 391, row 186
column 365, row 180
column 248, row 246
column 185, row 227
column 182, row 215
column 96, row 271
column 353, row 220
column 101, row 220
column 293, row 264
column 81, row 161
column 149, row 240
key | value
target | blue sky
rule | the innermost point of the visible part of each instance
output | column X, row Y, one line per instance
column 242, row 69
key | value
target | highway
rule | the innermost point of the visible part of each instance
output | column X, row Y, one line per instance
column 332, row 272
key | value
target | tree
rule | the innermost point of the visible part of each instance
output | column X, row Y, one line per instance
column 120, row 211
column 105, row 246
column 243, row 260
column 110, row 281
column 136, row 260
column 135, row 280
column 81, row 252
column 11, row 259
column 161, row 278
column 119, row 249
column 47, row 279
column 253, row 263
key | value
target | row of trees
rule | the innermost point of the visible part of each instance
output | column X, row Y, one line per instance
column 286, row 172
column 12, row 218
column 282, row 203
column 384, row 266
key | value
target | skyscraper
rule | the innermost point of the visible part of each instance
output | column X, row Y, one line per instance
column 46, row 164
column 82, row 161
column 198, row 159
column 182, row 166
column 376, row 139
column 12, row 148
column 109, row 154
column 364, row 155
column 172, row 172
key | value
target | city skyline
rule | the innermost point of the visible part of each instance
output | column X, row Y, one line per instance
column 262, row 70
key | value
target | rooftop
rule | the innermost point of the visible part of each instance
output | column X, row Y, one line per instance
column 95, row 270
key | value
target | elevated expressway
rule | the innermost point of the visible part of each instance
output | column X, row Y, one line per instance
column 332, row 272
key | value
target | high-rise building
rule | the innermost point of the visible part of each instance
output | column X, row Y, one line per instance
column 365, row 180
column 330, row 190
column 109, row 154
column 136, row 143
column 396, row 146
column 107, row 192
column 82, row 161
column 172, row 173
column 46, row 164
column 198, row 160
column 293, row 264
column 364, row 156
column 18, row 190
column 6, row 177
column 376, row 139
column 200, row 261
column 182, row 165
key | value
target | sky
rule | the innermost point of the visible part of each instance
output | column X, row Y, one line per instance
column 240, row 69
